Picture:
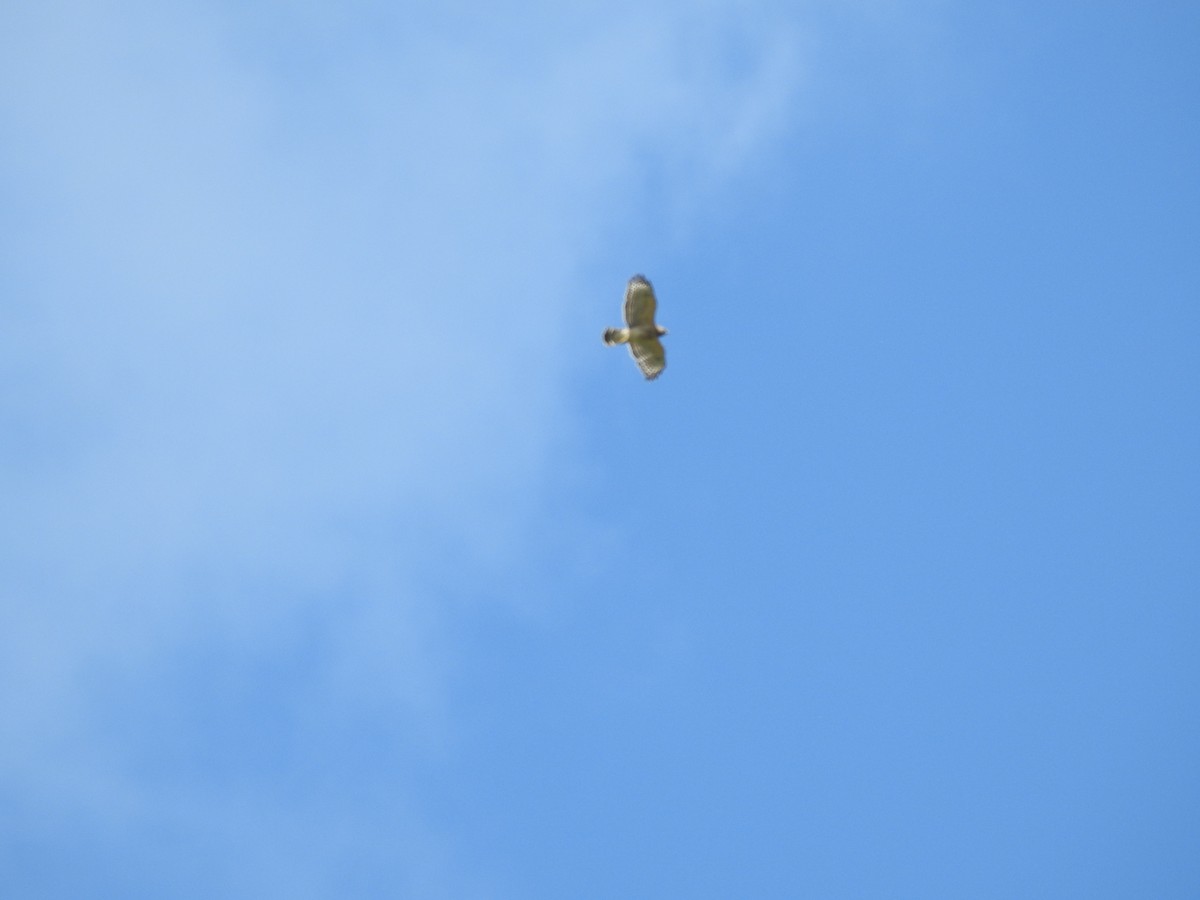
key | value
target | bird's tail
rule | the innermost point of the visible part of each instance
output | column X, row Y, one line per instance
column 616, row 336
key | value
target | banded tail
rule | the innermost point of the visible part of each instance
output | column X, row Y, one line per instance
column 616, row 336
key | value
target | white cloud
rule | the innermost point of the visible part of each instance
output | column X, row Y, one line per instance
column 284, row 329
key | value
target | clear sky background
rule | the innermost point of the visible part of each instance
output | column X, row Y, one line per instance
column 339, row 558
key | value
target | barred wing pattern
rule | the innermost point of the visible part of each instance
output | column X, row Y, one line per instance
column 650, row 356
column 639, row 302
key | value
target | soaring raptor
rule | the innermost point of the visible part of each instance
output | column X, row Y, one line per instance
column 641, row 333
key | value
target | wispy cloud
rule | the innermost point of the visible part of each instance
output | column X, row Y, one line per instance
column 282, row 320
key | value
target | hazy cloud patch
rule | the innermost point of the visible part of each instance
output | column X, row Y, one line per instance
column 282, row 337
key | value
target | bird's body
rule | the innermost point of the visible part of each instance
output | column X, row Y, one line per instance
column 640, row 331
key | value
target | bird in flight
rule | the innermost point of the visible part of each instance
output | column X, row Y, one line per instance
column 640, row 331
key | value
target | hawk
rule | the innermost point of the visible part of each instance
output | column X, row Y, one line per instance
column 641, row 333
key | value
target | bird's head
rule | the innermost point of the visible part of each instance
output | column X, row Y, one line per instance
column 661, row 331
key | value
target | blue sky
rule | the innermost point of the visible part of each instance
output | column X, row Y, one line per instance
column 338, row 557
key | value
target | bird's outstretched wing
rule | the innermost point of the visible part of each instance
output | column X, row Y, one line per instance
column 650, row 356
column 639, row 302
